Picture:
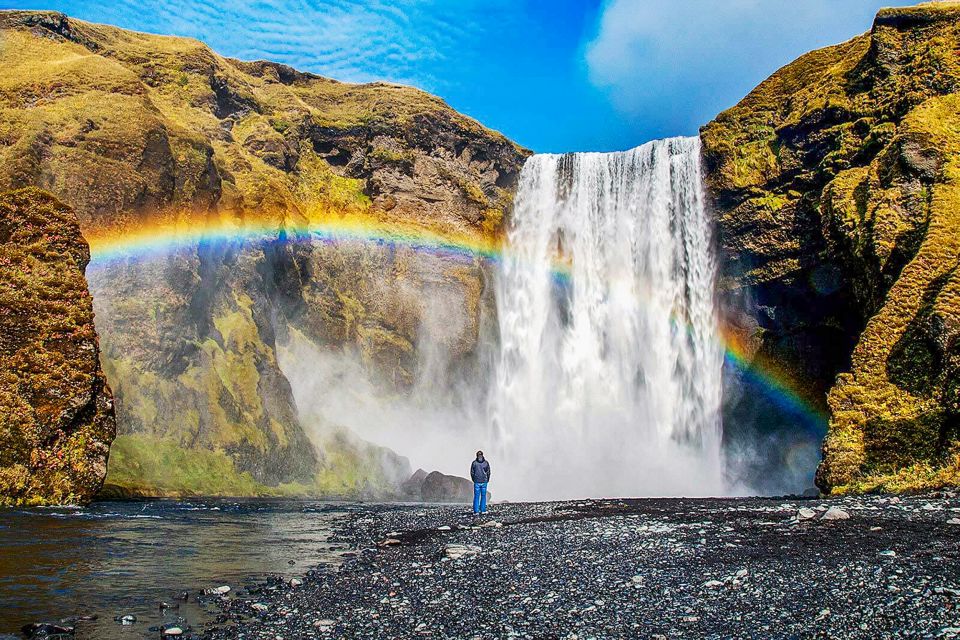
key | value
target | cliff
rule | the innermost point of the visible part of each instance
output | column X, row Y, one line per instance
column 56, row 411
column 836, row 188
column 145, row 134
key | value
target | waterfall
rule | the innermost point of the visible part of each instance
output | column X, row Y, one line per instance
column 606, row 376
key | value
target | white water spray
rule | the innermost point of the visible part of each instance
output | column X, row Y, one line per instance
column 607, row 378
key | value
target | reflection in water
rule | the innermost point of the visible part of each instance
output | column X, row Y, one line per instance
column 117, row 558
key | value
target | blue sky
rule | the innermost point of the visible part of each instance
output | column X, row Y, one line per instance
column 554, row 75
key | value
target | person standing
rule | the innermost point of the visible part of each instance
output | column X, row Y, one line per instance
column 480, row 474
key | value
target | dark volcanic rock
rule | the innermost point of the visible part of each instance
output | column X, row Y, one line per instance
column 56, row 411
column 675, row 568
column 411, row 486
column 439, row 487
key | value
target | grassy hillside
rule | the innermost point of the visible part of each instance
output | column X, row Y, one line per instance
column 835, row 182
column 138, row 131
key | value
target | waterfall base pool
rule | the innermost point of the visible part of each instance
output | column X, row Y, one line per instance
column 124, row 558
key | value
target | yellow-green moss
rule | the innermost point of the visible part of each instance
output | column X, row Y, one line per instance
column 869, row 132
column 56, row 414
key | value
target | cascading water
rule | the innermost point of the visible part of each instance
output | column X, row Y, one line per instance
column 607, row 379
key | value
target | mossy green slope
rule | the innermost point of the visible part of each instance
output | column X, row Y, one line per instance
column 133, row 129
column 835, row 184
column 56, row 411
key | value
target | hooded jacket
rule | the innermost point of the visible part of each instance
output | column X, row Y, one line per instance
column 480, row 471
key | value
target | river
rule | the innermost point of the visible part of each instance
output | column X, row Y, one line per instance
column 124, row 558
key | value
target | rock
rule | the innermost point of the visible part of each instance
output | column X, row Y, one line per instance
column 218, row 591
column 953, row 521
column 805, row 513
column 411, row 486
column 438, row 487
column 173, row 631
column 492, row 524
column 295, row 582
column 888, row 553
column 126, row 620
column 388, row 542
column 835, row 513
column 259, row 606
column 712, row 584
column 443, row 528
column 46, row 630
column 56, row 410
column 457, row 551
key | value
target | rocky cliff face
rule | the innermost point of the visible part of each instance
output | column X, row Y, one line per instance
column 836, row 186
column 146, row 132
column 56, row 411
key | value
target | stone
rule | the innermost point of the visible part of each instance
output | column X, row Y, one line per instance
column 259, row 606
column 713, row 584
column 219, row 591
column 806, row 513
column 46, row 630
column 173, row 631
column 457, row 551
column 439, row 487
column 953, row 521
column 295, row 582
column 888, row 554
column 835, row 513
column 411, row 486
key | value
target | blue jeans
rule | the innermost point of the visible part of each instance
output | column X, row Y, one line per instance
column 479, row 497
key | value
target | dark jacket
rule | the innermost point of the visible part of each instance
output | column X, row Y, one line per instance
column 480, row 471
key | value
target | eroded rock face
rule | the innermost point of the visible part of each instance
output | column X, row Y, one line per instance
column 140, row 132
column 56, row 410
column 835, row 187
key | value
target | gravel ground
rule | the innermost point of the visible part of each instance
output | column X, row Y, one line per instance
column 863, row 567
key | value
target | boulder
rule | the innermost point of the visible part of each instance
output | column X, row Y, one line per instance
column 411, row 486
column 835, row 513
column 439, row 487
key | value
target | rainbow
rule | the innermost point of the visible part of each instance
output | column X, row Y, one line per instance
column 110, row 247
column 776, row 384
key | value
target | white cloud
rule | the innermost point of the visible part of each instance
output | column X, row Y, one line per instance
column 647, row 53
